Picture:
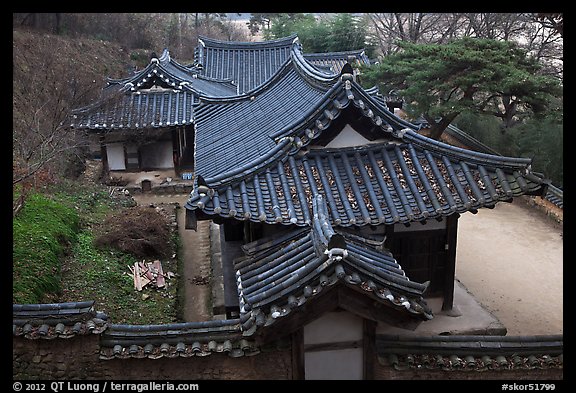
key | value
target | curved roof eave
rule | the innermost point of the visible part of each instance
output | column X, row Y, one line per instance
column 353, row 92
column 473, row 156
column 216, row 43
column 308, row 69
column 380, row 183
column 336, row 54
column 163, row 64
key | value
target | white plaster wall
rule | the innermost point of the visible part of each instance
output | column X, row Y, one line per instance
column 334, row 327
column 115, row 156
column 348, row 137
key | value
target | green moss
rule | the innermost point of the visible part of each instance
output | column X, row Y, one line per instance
column 42, row 231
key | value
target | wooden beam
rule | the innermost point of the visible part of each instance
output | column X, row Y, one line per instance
column 358, row 302
column 137, row 279
column 369, row 348
column 160, row 281
column 327, row 300
column 351, row 299
column 333, row 346
column 298, row 370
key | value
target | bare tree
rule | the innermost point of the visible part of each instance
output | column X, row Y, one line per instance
column 235, row 31
column 539, row 34
column 390, row 28
column 551, row 20
column 52, row 75
column 496, row 26
column 544, row 40
column 41, row 105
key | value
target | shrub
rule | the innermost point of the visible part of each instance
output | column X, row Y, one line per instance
column 140, row 231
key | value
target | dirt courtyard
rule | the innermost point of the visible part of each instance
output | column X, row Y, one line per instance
column 511, row 259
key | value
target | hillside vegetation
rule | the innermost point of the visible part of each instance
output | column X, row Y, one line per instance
column 55, row 255
column 51, row 76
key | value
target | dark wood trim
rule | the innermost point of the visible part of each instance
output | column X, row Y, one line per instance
column 103, row 154
column 298, row 370
column 191, row 221
column 332, row 346
column 365, row 305
column 450, row 272
column 132, row 166
column 388, row 232
column 369, row 348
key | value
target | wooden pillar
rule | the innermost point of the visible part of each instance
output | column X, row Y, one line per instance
column 451, row 237
column 103, row 154
column 369, row 348
column 298, row 371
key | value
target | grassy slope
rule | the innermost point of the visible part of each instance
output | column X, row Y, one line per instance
column 41, row 232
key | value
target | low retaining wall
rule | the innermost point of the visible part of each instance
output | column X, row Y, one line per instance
column 79, row 358
column 73, row 341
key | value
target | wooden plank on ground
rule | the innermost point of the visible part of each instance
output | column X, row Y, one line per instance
column 137, row 282
column 145, row 269
column 160, row 280
column 144, row 281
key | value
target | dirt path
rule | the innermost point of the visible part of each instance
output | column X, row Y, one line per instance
column 511, row 259
column 195, row 254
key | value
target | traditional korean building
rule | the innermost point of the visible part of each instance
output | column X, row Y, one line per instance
column 337, row 217
column 266, row 155
column 146, row 122
column 328, row 201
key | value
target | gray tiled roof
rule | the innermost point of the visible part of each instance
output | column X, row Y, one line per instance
column 471, row 352
column 131, row 103
column 335, row 61
column 130, row 111
column 185, row 339
column 278, row 275
column 56, row 320
column 553, row 194
column 407, row 178
column 379, row 183
column 231, row 132
column 248, row 64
